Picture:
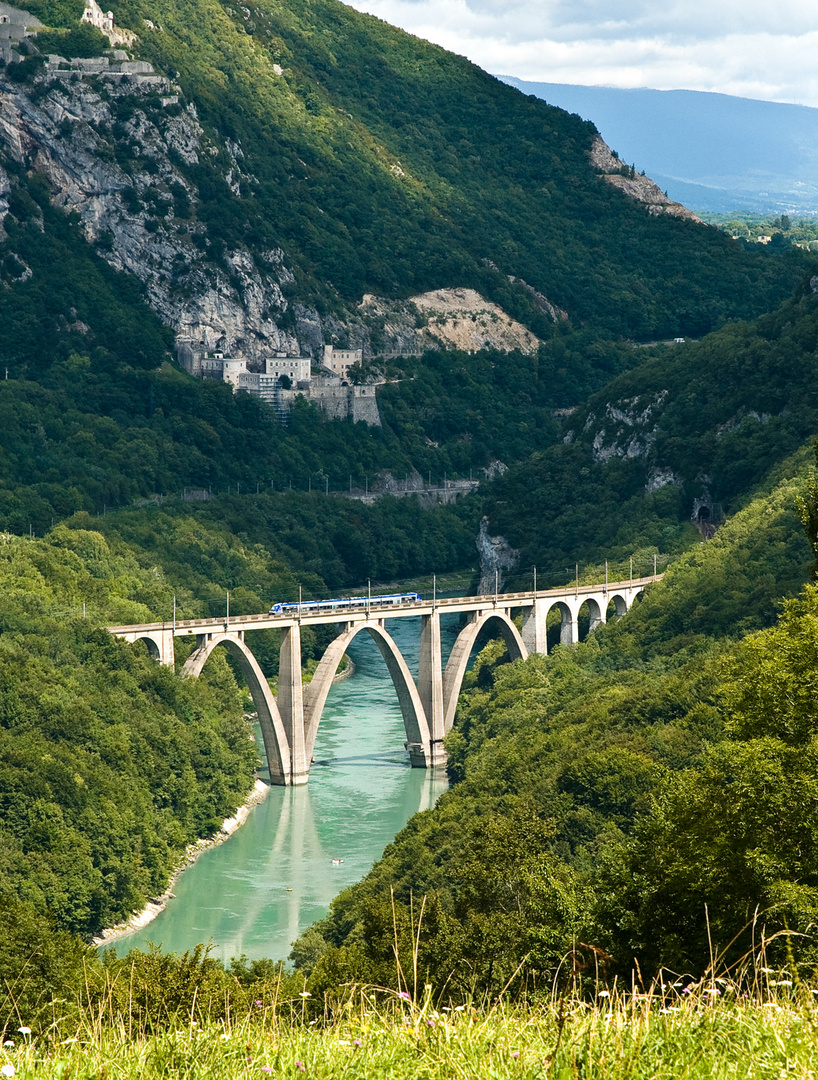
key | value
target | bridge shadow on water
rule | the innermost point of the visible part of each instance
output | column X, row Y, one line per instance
column 385, row 761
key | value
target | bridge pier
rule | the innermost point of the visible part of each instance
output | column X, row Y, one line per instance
column 430, row 688
column 291, row 702
column 535, row 633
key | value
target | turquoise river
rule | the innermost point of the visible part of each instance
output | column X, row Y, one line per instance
column 256, row 892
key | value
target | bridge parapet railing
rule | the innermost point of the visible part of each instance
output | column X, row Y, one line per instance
column 181, row 627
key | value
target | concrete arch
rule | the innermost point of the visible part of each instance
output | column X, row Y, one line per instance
column 459, row 657
column 568, row 627
column 596, row 615
column 154, row 647
column 620, row 604
column 276, row 746
column 315, row 695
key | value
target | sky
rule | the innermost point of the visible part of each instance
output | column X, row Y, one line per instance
column 749, row 48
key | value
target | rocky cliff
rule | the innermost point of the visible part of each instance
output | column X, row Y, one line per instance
column 111, row 147
column 640, row 188
column 112, row 144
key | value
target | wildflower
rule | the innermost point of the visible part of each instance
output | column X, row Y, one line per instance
column 300, row 1065
column 266, row 1068
column 258, row 1004
column 7, row 1070
column 24, row 1030
column 604, row 993
column 405, row 995
column 515, row 1054
column 8, row 1042
column 357, row 1042
column 344, row 1042
column 224, row 1036
column 304, row 994
column 687, row 990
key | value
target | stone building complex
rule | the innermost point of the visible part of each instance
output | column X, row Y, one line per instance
column 15, row 26
column 282, row 380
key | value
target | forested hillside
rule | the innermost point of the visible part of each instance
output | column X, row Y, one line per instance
column 642, row 796
column 109, row 764
column 315, row 156
column 702, row 420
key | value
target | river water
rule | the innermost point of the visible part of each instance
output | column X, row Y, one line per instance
column 256, row 892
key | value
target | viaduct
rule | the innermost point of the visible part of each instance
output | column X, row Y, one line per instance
column 289, row 722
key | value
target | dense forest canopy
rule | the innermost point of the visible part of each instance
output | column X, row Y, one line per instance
column 637, row 793
column 642, row 793
column 701, row 420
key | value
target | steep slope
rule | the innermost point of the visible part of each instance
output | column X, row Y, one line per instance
column 681, row 438
column 316, row 155
column 635, row 796
column 712, row 152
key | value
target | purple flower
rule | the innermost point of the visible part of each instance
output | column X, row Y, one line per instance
column 515, row 1054
column 357, row 1042
column 300, row 1065
column 259, row 1004
column 405, row 995
column 266, row 1068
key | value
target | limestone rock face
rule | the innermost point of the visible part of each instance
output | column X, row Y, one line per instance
column 497, row 556
column 640, row 188
column 110, row 157
column 5, row 190
column 448, row 318
column 626, row 429
column 113, row 140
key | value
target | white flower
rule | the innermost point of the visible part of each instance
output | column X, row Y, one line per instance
column 24, row 1030
column 305, row 994
column 7, row 1070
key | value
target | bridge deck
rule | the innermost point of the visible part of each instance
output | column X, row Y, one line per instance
column 455, row 604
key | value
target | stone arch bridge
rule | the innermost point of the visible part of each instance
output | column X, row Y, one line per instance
column 289, row 722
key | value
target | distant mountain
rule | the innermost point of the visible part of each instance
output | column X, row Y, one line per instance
column 711, row 152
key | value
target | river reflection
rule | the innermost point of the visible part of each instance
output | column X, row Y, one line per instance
column 255, row 893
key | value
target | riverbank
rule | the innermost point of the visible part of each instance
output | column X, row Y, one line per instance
column 141, row 919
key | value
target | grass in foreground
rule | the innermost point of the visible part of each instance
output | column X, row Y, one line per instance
column 707, row 1030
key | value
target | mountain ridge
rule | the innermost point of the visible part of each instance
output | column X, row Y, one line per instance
column 713, row 152
column 315, row 155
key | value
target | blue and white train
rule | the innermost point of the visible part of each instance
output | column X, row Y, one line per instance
column 347, row 603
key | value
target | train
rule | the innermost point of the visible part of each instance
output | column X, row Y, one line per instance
column 347, row 603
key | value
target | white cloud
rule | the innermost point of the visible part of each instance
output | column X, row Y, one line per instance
column 744, row 47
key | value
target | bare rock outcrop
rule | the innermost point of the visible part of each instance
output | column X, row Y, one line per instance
column 448, row 318
column 115, row 139
column 497, row 557
column 108, row 149
column 640, row 188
